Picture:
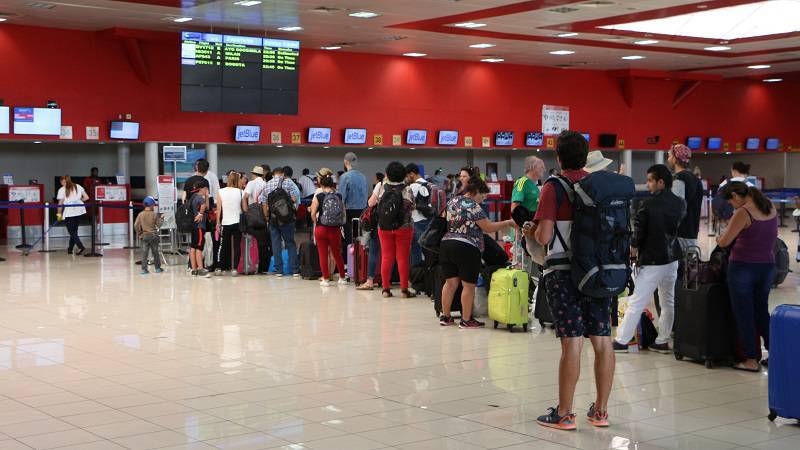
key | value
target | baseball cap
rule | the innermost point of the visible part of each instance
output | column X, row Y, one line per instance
column 149, row 201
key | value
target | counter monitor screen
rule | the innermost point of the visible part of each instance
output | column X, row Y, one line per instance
column 714, row 143
column 355, row 136
column 534, row 139
column 41, row 121
column 319, row 135
column 504, row 138
column 752, row 143
column 416, row 137
column 587, row 136
column 124, row 130
column 773, row 144
column 247, row 133
column 694, row 142
column 239, row 74
column 448, row 137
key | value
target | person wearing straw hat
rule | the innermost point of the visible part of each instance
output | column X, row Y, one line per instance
column 595, row 161
column 252, row 194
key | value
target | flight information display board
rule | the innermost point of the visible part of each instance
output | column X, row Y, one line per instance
column 239, row 74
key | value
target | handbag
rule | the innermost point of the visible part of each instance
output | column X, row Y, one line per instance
column 367, row 219
column 431, row 238
column 242, row 217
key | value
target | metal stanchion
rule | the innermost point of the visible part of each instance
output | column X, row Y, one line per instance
column 131, row 240
column 46, row 230
column 709, row 213
column 100, row 233
column 24, row 245
column 93, row 253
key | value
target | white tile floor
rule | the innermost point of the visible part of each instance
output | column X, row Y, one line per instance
column 95, row 356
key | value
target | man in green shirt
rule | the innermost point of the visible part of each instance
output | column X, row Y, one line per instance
column 526, row 192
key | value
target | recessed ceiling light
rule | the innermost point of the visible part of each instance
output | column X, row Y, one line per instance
column 633, row 57
column 772, row 80
column 37, row 142
column 331, row 47
column 759, row 66
column 290, row 28
column 492, row 60
column 3, row 19
column 717, row 48
column 469, row 25
column 182, row 19
column 562, row 52
column 364, row 14
column 247, row 3
column 646, row 42
column 415, row 55
column 567, row 34
column 482, row 45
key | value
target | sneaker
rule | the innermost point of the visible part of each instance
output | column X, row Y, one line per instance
column 159, row 270
column 660, row 348
column 279, row 275
column 597, row 418
column 203, row 273
column 80, row 251
column 234, row 273
column 446, row 321
column 144, row 272
column 553, row 420
column 325, row 283
column 194, row 273
column 343, row 281
column 620, row 348
column 295, row 275
column 218, row 272
column 471, row 323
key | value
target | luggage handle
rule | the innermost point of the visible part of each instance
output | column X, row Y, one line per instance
column 691, row 260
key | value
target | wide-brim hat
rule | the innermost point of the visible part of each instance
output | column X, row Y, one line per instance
column 258, row 170
column 595, row 161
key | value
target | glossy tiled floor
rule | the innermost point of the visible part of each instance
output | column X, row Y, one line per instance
column 93, row 356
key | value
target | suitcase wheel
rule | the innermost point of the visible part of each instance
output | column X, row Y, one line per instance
column 772, row 415
column 525, row 327
column 510, row 328
column 709, row 364
column 678, row 356
column 541, row 324
column 495, row 324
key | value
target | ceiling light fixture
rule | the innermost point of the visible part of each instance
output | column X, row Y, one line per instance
column 632, row 57
column 331, row 47
column 646, row 42
column 469, row 25
column 415, row 55
column 482, row 45
column 364, row 14
column 717, row 48
column 772, row 80
column 182, row 19
column 562, row 52
column 295, row 28
column 759, row 66
column 3, row 19
column 567, row 34
column 492, row 60
column 247, row 3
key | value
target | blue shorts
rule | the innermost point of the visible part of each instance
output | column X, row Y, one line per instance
column 574, row 314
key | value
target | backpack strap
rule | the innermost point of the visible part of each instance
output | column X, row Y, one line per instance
column 563, row 187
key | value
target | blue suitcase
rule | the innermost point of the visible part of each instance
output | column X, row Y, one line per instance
column 784, row 363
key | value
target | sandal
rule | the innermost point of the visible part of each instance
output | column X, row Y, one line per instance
column 387, row 293
column 405, row 293
column 365, row 287
column 745, row 368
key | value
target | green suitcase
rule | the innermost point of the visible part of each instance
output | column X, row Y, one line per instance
column 508, row 298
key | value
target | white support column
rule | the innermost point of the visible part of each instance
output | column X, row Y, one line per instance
column 627, row 161
column 124, row 161
column 659, row 158
column 211, row 156
column 151, row 168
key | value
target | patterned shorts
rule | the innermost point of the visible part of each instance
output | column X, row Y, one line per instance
column 574, row 314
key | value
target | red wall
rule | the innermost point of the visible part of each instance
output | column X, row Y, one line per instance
column 92, row 81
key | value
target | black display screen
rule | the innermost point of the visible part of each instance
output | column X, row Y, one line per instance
column 239, row 74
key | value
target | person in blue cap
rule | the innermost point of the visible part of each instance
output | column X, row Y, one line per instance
column 147, row 224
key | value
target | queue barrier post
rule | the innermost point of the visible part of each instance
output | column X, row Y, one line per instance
column 24, row 245
column 100, row 232
column 131, row 239
column 93, row 253
column 46, row 230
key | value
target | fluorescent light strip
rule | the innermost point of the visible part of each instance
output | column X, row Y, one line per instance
column 290, row 28
column 482, row 45
column 717, row 48
column 364, row 14
column 331, row 47
column 182, row 19
column 492, row 60
column 469, row 25
column 632, row 57
column 646, row 42
column 247, row 3
column 415, row 55
column 565, row 35
column 562, row 52
column 759, row 66
column 772, row 80
column 3, row 19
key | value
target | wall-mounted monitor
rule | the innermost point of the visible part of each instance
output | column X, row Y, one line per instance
column 355, row 136
column 752, row 143
column 416, row 137
column 714, row 143
column 607, row 140
column 448, row 137
column 694, row 142
column 534, row 139
column 773, row 144
column 504, row 138
column 41, row 121
column 319, row 135
column 5, row 112
column 587, row 136
column 247, row 133
column 124, row 130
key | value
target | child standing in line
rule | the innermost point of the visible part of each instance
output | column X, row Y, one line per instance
column 147, row 224
column 199, row 205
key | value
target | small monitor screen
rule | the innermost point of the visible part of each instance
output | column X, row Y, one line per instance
column 355, row 135
column 587, row 136
column 416, row 137
column 319, row 135
column 43, row 121
column 248, row 133
column 534, row 139
column 694, row 142
column 773, row 144
column 124, row 130
column 714, row 143
column 4, row 117
column 504, row 138
column 448, row 137
column 753, row 143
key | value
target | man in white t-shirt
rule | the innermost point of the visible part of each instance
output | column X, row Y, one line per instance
column 307, row 186
column 419, row 187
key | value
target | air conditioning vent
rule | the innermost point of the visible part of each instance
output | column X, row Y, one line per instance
column 598, row 3
column 564, row 66
column 325, row 10
column 40, row 5
column 394, row 38
column 344, row 44
column 563, row 10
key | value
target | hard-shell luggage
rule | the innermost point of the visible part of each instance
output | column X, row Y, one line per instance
column 508, row 298
column 784, row 363
column 357, row 256
column 248, row 263
column 309, row 261
column 781, row 262
column 437, row 294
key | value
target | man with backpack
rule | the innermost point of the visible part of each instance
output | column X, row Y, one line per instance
column 355, row 192
column 256, row 220
column 429, row 201
column 723, row 210
column 687, row 186
column 583, row 270
column 279, row 201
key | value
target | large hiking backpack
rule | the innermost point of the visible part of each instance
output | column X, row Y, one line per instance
column 601, row 232
column 722, row 209
column 332, row 212
column 391, row 207
column 781, row 262
column 281, row 206
column 184, row 219
column 434, row 203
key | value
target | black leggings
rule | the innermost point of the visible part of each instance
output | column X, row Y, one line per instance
column 230, row 235
column 72, row 228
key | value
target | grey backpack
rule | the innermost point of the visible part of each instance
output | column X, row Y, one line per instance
column 332, row 212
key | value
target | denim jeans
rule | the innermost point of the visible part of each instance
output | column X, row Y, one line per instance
column 150, row 243
column 72, row 228
column 416, row 249
column 284, row 235
column 749, row 285
column 374, row 255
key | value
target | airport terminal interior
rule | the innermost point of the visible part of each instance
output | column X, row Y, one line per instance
column 128, row 125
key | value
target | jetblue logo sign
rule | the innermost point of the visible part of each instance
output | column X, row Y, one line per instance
column 355, row 136
column 448, row 137
column 319, row 135
column 248, row 133
column 416, row 137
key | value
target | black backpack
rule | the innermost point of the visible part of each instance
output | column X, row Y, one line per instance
column 281, row 206
column 722, row 209
column 184, row 219
column 255, row 217
column 391, row 207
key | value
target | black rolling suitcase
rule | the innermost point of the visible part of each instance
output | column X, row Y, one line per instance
column 541, row 309
column 309, row 259
column 705, row 329
column 438, row 284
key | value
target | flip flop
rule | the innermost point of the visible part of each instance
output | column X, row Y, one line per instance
column 738, row 367
column 364, row 288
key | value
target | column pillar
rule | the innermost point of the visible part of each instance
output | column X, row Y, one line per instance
column 627, row 160
column 151, row 168
column 659, row 157
column 124, row 161
column 211, row 156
